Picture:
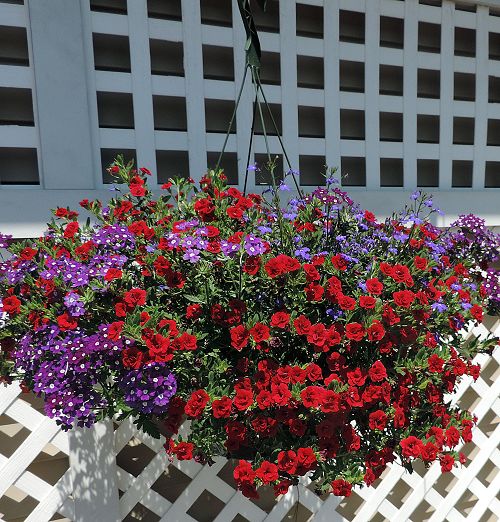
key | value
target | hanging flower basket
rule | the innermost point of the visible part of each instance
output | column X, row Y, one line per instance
column 304, row 338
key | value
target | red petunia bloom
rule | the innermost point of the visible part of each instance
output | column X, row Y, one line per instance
column 11, row 305
column 259, row 332
column 66, row 322
column 239, row 337
column 435, row 363
column 377, row 372
column 132, row 358
column 71, row 230
column 112, row 274
column 137, row 187
column 135, row 297
column 411, row 446
column 377, row 420
column 280, row 320
column 221, row 408
column 196, row 403
column 355, row 331
column 267, row 472
column 404, row 298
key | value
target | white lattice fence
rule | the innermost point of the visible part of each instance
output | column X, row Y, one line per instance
column 118, row 474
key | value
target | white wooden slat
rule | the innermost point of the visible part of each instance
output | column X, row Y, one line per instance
column 26, row 453
column 53, row 501
column 8, row 395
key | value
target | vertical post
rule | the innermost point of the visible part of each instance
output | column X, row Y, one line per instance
column 332, row 83
column 481, row 109
column 195, row 92
column 447, row 87
column 62, row 105
column 410, row 61
column 140, row 63
column 372, row 118
column 289, row 102
column 94, row 476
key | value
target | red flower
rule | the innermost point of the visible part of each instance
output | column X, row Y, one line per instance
column 274, row 267
column 205, row 209
column 411, row 446
column 302, row 325
column 420, row 262
column 374, row 286
column 435, row 363
column 314, row 292
column 280, row 320
column 376, row 331
column 137, row 187
column 429, row 452
column 339, row 262
column 252, row 265
column 11, row 305
column 66, row 322
column 312, row 396
column 330, row 402
column 28, row 253
column 243, row 399
column 287, row 461
column 186, row 342
column 259, row 332
column 356, row 377
column 162, row 265
column 267, row 472
column 377, row 372
column 282, row 487
column 159, row 348
column 113, row 273
column 341, row 488
column 404, row 298
column 115, row 330
column 194, row 311
column 71, row 229
column 132, row 358
column 196, row 403
column 370, row 217
column 377, row 420
column 239, row 337
column 135, row 297
column 355, row 331
column 477, row 312
column 447, row 462
column 368, row 302
column 317, row 335
column 221, row 408
column 306, row 460
column 243, row 472
column 346, row 303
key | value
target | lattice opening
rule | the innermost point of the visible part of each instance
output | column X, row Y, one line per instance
column 107, row 158
column 19, row 166
column 352, row 76
column 268, row 21
column 111, row 52
column 206, row 507
column 218, row 115
column 487, row 473
column 488, row 517
column 216, row 12
column 391, row 126
column 445, row 483
column 311, row 122
column 229, row 163
column 489, row 423
column 429, row 37
column 422, row 512
column 16, row 107
column 240, row 518
column 464, row 87
column 171, row 163
column 134, row 457
column 263, row 176
column 465, row 42
column 13, row 46
column 351, row 26
column 461, row 173
column 170, row 113
column 165, row 9
column 12, row 435
column 16, row 505
column 353, row 171
column 391, row 32
column 309, row 21
column 270, row 130
column 142, row 513
column 493, row 89
column 399, row 493
column 463, row 131
column 310, row 72
column 427, row 128
column 391, row 80
column 109, row 6
column 428, row 83
column 349, row 506
column 50, row 464
column 352, row 124
column 299, row 513
column 270, row 71
column 427, row 173
column 167, row 58
column 494, row 46
column 312, row 170
column 490, row 372
column 218, row 63
column 116, row 110
column 171, row 483
column 466, row 502
column 391, row 172
column 493, row 132
column 226, row 473
column 469, row 399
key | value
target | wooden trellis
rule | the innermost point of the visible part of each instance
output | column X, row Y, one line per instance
column 115, row 473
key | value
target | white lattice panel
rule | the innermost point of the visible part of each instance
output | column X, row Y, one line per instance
column 134, row 480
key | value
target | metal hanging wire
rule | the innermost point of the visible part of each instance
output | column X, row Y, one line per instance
column 253, row 55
